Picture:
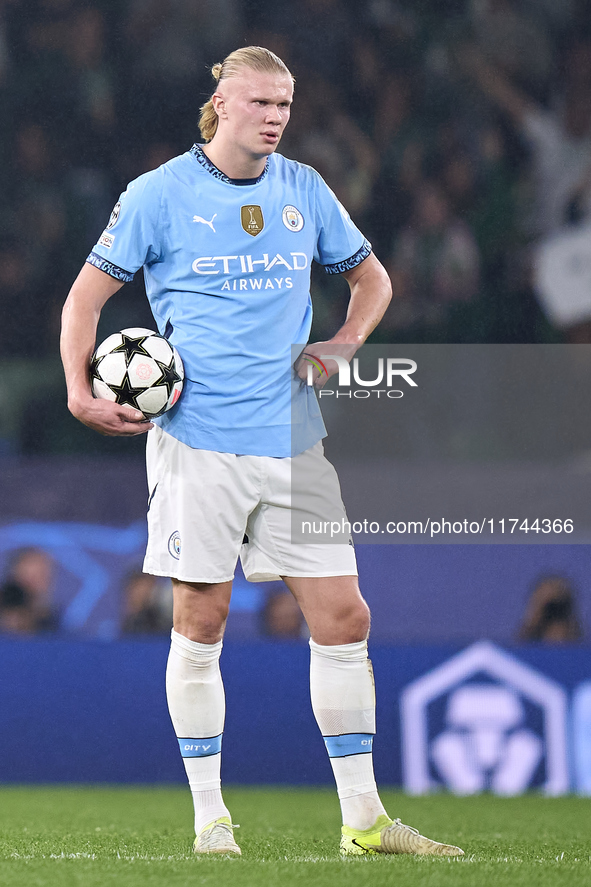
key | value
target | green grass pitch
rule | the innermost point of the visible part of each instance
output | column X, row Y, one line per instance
column 87, row 836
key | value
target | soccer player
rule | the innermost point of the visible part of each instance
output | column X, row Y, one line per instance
column 226, row 234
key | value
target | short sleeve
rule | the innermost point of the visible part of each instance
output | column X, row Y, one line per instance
column 340, row 245
column 131, row 238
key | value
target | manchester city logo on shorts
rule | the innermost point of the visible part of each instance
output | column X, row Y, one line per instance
column 174, row 545
column 114, row 216
column 252, row 220
column 292, row 218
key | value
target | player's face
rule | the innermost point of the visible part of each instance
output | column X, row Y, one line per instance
column 254, row 110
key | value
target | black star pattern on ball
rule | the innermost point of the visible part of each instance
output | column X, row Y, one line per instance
column 126, row 393
column 132, row 345
column 169, row 376
column 94, row 373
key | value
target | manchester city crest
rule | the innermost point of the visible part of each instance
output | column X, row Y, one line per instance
column 252, row 219
column 174, row 545
column 292, row 218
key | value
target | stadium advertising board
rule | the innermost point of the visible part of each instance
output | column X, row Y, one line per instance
column 479, row 719
column 484, row 721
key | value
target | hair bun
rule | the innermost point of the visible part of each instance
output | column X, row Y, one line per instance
column 216, row 71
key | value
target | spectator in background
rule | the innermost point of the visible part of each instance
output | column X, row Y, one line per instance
column 16, row 616
column 576, row 64
column 26, row 594
column 320, row 33
column 493, row 212
column 514, row 40
column 147, row 604
column 327, row 138
column 559, row 141
column 24, row 323
column 281, row 617
column 37, row 215
column 32, row 227
column 551, row 613
column 85, row 51
column 435, row 261
column 403, row 144
column 172, row 44
column 174, row 39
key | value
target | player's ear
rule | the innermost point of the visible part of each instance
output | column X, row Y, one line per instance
column 219, row 105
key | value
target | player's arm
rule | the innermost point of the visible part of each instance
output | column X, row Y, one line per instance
column 90, row 291
column 371, row 292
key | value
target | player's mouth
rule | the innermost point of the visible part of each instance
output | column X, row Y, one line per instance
column 271, row 137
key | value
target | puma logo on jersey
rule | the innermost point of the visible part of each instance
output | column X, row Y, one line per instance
column 205, row 222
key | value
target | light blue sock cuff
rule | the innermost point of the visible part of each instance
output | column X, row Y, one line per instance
column 200, row 748
column 348, row 744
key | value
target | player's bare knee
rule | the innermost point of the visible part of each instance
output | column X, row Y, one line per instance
column 202, row 631
column 351, row 624
column 200, row 611
column 358, row 622
column 207, row 624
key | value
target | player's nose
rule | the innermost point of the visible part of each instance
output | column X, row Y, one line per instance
column 274, row 115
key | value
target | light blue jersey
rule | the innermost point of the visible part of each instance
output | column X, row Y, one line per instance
column 227, row 270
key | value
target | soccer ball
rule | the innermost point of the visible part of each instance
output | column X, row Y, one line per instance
column 139, row 368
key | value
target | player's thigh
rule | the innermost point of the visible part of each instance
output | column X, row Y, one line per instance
column 333, row 607
column 275, row 546
column 198, row 508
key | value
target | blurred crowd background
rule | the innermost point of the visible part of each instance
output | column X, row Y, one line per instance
column 548, row 611
column 456, row 132
column 31, row 604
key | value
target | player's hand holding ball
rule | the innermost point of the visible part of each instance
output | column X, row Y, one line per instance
column 135, row 375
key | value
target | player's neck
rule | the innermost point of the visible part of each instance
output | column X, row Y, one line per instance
column 234, row 163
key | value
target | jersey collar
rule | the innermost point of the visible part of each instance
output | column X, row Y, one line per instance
column 203, row 159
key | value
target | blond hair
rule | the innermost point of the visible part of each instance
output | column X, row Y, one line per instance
column 257, row 58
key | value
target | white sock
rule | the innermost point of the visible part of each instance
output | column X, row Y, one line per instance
column 343, row 701
column 197, row 709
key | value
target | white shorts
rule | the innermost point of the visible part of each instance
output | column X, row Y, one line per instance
column 206, row 509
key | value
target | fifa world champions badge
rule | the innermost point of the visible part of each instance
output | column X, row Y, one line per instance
column 252, row 219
